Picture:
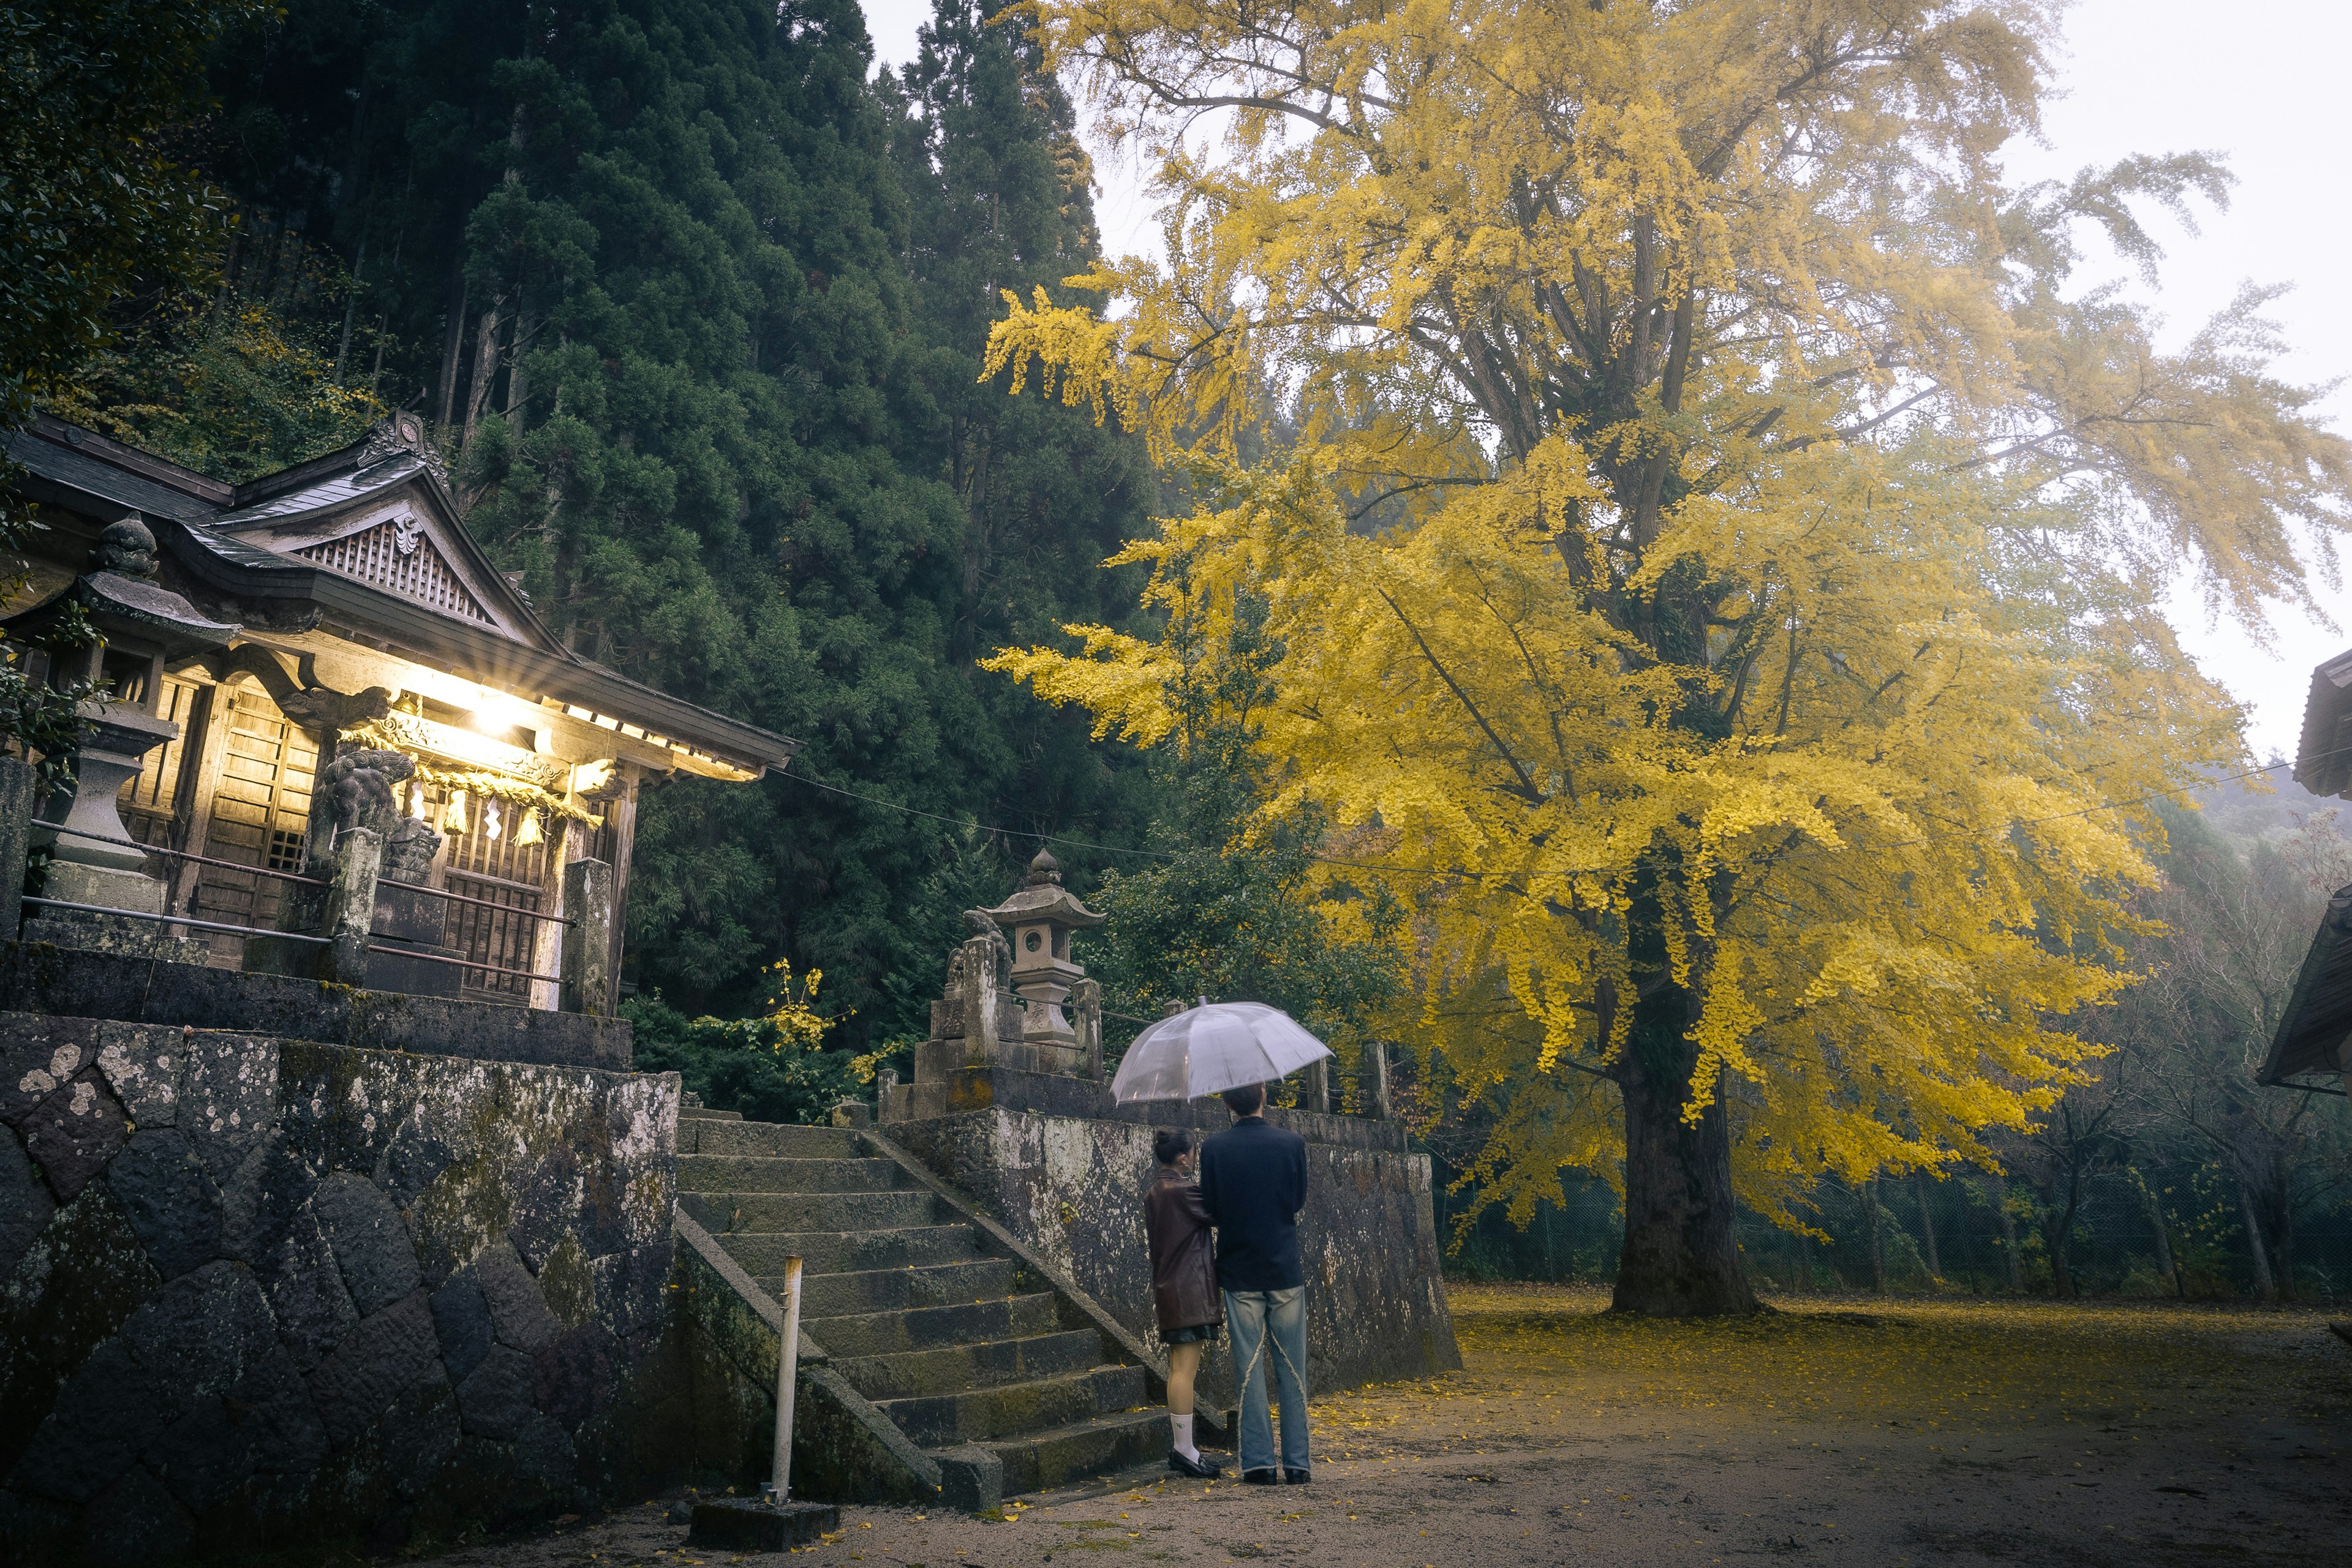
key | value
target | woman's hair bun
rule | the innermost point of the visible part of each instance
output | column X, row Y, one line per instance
column 1166, row 1146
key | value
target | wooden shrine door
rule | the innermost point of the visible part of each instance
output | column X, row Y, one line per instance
column 260, row 809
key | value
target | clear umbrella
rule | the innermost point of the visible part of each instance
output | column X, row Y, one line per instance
column 1214, row 1047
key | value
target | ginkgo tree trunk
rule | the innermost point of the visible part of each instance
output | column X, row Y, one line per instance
column 1715, row 564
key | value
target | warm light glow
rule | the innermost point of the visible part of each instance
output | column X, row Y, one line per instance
column 529, row 834
column 492, row 827
column 416, row 801
column 453, row 820
column 486, row 703
column 466, row 746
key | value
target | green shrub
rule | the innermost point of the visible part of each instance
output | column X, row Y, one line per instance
column 760, row 1066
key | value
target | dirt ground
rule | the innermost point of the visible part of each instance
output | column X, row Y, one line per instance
column 1854, row 1432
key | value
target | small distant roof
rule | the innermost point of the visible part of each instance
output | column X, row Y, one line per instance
column 2322, row 759
column 2318, row 1022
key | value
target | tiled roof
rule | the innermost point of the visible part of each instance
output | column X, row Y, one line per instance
column 329, row 493
column 67, row 467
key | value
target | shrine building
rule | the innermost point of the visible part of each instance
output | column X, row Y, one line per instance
column 251, row 631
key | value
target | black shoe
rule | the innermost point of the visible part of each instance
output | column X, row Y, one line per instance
column 1298, row 1477
column 1202, row 1468
column 1262, row 1478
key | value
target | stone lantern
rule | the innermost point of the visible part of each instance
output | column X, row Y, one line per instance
column 1038, row 920
column 143, row 627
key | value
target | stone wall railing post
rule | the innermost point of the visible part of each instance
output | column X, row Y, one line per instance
column 1376, row 1080
column 356, row 858
column 1085, row 1003
column 17, row 785
column 981, row 1005
column 587, row 967
column 1316, row 1093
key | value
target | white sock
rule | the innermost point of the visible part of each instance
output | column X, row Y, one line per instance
column 1182, row 1427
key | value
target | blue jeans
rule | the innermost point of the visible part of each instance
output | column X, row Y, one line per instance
column 1270, row 1330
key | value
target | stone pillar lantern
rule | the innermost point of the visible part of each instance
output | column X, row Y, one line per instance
column 143, row 627
column 987, row 1048
column 1038, row 920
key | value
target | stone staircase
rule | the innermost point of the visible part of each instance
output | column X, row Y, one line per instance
column 954, row 1345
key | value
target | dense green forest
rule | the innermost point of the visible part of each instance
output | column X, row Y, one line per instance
column 697, row 302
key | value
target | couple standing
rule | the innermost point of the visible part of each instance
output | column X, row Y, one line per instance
column 1252, row 1186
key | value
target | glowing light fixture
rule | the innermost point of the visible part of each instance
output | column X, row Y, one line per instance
column 529, row 834
column 468, row 746
column 453, row 820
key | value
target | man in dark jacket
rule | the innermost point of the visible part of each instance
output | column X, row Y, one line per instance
column 1254, row 1184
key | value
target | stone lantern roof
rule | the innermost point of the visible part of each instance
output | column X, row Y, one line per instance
column 1042, row 897
column 1037, row 922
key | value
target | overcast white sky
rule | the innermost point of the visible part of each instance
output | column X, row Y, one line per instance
column 2262, row 82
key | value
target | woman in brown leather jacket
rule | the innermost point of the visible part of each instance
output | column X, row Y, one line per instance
column 1183, row 1288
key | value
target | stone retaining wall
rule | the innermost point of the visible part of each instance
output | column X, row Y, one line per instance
column 261, row 1291
column 77, row 983
column 1071, row 1187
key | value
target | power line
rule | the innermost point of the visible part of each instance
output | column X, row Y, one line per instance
column 984, row 827
column 1086, row 844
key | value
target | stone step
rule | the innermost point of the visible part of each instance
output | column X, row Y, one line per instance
column 925, row 1328
column 704, row 1113
column 913, row 1314
column 1101, row 1446
column 774, row 1138
column 720, row 1213
column 851, row 1251
column 876, row 1290
column 974, row 1364
column 1013, row 1409
column 773, row 1173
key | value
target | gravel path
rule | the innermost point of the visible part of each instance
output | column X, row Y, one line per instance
column 1859, row 1432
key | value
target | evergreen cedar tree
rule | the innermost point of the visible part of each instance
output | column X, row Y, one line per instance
column 93, row 193
column 730, row 426
column 1715, row 571
column 95, row 196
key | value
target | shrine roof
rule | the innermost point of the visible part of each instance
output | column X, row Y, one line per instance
column 65, row 464
column 368, row 544
column 377, row 477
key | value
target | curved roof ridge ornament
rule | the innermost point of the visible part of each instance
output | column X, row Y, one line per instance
column 403, row 435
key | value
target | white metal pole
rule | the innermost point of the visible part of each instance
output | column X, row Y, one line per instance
column 788, row 1363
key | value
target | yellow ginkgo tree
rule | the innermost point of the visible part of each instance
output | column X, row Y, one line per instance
column 1716, row 561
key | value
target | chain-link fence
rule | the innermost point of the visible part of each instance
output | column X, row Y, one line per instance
column 1964, row 1233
